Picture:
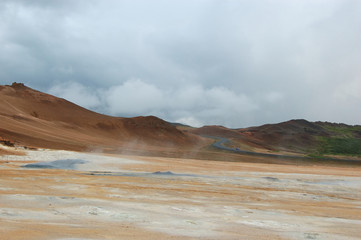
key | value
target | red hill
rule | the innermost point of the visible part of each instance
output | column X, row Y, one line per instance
column 32, row 118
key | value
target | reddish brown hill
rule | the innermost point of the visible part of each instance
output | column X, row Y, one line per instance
column 216, row 131
column 299, row 136
column 295, row 135
column 37, row 119
column 239, row 140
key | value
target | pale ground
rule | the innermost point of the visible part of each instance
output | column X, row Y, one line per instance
column 117, row 197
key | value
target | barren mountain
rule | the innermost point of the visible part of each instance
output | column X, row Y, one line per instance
column 35, row 119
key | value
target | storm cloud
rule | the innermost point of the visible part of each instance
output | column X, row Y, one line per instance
column 235, row 63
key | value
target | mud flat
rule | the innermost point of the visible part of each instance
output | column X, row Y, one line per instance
column 69, row 195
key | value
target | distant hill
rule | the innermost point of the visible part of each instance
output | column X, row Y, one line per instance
column 32, row 118
column 297, row 136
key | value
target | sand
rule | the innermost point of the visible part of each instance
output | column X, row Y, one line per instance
column 122, row 197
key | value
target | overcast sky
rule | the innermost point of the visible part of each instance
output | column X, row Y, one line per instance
column 236, row 63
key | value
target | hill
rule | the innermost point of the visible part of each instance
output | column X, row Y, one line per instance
column 295, row 136
column 35, row 119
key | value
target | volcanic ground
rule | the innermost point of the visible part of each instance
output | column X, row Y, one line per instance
column 53, row 194
column 70, row 173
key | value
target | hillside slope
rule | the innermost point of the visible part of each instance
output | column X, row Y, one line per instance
column 294, row 136
column 35, row 119
column 32, row 118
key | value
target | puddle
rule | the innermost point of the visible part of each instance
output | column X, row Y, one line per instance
column 57, row 164
column 144, row 174
column 272, row 179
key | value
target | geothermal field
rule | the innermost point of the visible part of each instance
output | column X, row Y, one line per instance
column 180, row 120
column 70, row 173
column 54, row 194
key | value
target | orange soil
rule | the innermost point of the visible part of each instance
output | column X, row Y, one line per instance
column 53, row 204
column 36, row 119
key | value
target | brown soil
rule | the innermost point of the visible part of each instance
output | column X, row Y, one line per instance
column 35, row 119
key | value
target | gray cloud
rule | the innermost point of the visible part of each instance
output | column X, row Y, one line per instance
column 77, row 93
column 236, row 63
column 188, row 104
